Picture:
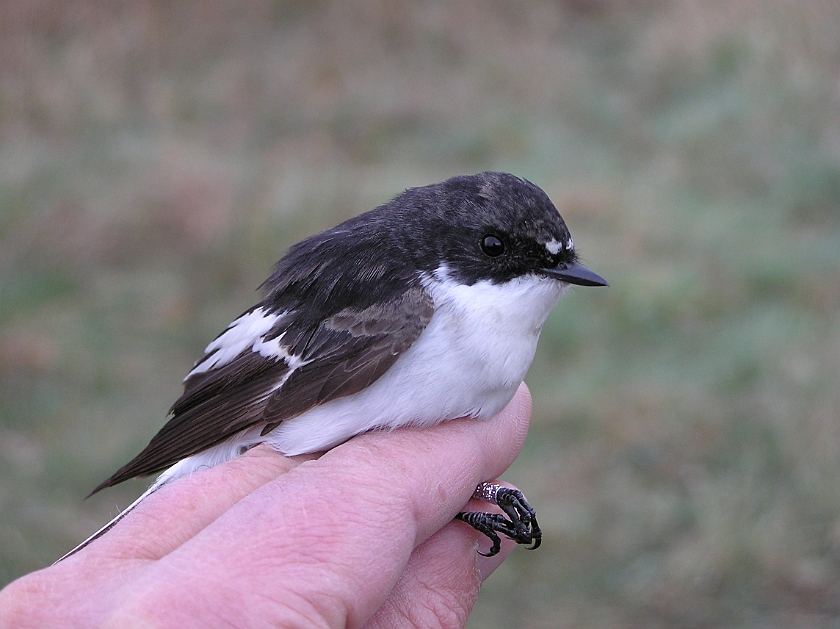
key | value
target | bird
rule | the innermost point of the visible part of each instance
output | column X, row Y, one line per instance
column 425, row 309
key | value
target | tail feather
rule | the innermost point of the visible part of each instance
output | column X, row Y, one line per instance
column 174, row 472
column 113, row 522
column 207, row 459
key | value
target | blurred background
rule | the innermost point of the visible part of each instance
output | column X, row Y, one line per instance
column 157, row 157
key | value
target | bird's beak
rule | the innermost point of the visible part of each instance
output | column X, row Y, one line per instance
column 575, row 273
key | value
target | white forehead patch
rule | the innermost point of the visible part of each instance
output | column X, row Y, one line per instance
column 553, row 246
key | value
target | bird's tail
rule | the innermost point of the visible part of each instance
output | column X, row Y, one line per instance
column 207, row 459
column 168, row 476
column 112, row 523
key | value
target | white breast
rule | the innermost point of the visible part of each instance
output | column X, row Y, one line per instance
column 468, row 361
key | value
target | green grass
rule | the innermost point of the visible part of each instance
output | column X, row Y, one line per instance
column 683, row 454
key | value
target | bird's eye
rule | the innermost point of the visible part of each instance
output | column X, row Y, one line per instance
column 492, row 246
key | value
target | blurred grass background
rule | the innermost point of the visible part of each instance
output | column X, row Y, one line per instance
column 157, row 157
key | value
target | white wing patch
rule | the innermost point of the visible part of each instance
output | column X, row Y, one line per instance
column 246, row 332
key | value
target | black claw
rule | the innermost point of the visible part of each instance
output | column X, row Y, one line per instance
column 488, row 524
column 521, row 514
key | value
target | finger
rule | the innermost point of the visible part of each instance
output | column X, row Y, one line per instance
column 336, row 534
column 160, row 523
column 433, row 472
column 179, row 510
column 440, row 584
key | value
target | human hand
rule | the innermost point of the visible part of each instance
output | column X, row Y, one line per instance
column 362, row 536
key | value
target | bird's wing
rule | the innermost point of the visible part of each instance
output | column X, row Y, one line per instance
column 248, row 377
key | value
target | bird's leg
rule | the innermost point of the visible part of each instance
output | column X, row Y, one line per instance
column 520, row 525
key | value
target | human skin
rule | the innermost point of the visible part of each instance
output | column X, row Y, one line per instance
column 361, row 536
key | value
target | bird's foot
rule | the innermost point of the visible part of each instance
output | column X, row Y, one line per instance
column 520, row 525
